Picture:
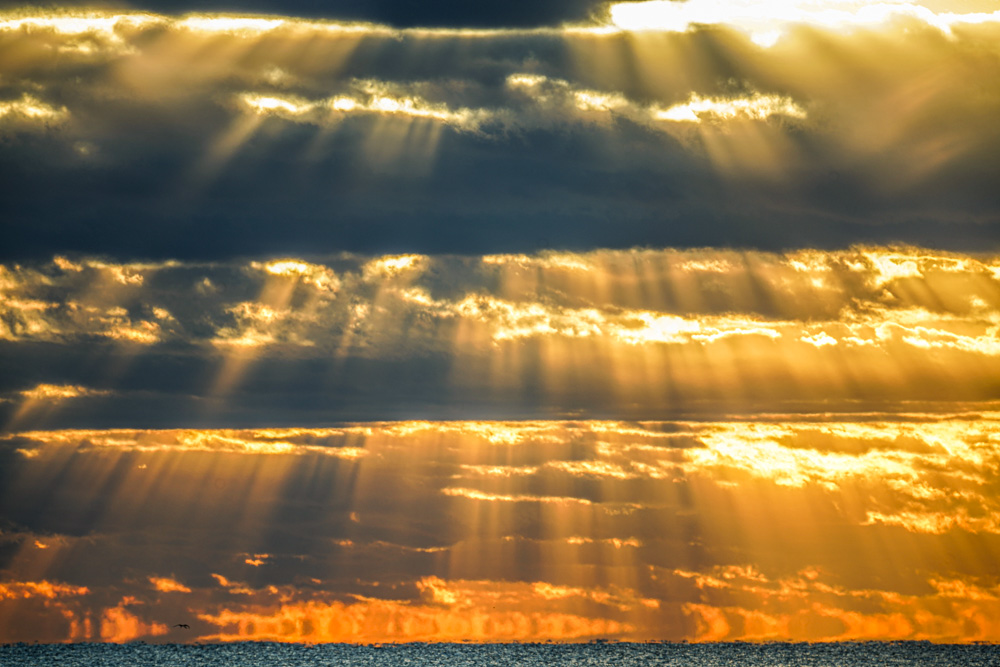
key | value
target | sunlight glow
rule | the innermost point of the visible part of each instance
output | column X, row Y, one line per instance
column 756, row 107
column 30, row 109
column 725, row 99
column 765, row 22
column 231, row 24
column 58, row 392
column 371, row 98
column 621, row 325
column 609, row 550
column 73, row 23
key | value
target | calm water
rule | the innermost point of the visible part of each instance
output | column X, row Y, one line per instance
column 688, row 655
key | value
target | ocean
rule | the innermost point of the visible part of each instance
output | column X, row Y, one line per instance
column 263, row 654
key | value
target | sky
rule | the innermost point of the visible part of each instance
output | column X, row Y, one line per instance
column 521, row 321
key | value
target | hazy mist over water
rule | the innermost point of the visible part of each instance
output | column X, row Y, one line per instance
column 846, row 654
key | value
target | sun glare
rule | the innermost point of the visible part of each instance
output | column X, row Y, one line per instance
column 765, row 22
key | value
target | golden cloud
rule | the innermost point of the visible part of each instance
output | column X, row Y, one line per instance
column 119, row 625
column 40, row 589
column 59, row 392
column 453, row 610
column 168, row 585
column 731, row 529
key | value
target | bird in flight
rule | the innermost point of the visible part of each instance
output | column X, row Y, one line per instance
column 184, row 626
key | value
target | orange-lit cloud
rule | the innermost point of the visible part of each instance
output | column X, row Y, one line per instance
column 168, row 585
column 949, row 610
column 119, row 625
column 267, row 441
column 738, row 603
column 792, row 527
column 43, row 589
column 449, row 611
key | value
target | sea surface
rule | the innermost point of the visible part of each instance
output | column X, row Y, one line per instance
column 256, row 654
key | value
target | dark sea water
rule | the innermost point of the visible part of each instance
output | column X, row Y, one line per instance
column 881, row 654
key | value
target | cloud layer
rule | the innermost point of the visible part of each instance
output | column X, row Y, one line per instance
column 637, row 333
column 874, row 528
column 276, row 134
column 505, row 321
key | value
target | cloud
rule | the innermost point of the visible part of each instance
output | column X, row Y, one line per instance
column 40, row 589
column 29, row 113
column 559, row 101
column 756, row 106
column 449, row 611
column 540, row 137
column 909, row 469
column 370, row 98
column 617, row 329
column 55, row 392
column 45, row 398
column 168, row 585
column 119, row 625
column 277, row 441
column 840, row 614
column 732, row 529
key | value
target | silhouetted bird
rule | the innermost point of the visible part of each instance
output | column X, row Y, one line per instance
column 185, row 626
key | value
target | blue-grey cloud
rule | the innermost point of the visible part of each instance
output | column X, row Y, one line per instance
column 230, row 131
column 638, row 333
